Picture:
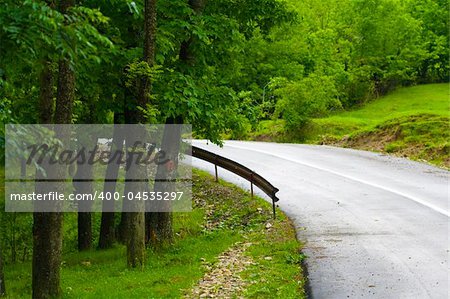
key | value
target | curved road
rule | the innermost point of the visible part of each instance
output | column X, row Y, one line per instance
column 375, row 226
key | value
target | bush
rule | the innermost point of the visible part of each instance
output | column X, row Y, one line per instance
column 314, row 96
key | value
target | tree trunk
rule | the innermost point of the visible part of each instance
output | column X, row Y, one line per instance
column 149, row 57
column 2, row 278
column 136, row 241
column 135, row 221
column 107, row 230
column 84, row 231
column 85, row 172
column 160, row 223
column 186, row 55
column 149, row 52
column 66, row 93
column 47, row 227
column 47, row 245
column 135, row 181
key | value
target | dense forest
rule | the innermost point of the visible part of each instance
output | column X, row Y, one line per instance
column 222, row 66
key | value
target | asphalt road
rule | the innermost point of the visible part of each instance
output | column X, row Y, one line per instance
column 375, row 226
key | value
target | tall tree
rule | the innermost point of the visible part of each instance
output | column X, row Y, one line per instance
column 47, row 226
column 47, row 237
column 135, row 221
column 87, row 141
column 107, row 230
column 160, row 230
column 159, row 224
column 134, row 184
column 46, row 231
column 149, row 53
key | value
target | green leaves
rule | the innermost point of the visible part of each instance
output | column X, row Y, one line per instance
column 41, row 31
column 317, row 56
column 343, row 53
column 313, row 96
column 140, row 70
column 254, row 14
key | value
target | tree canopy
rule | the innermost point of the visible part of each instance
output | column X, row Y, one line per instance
column 249, row 60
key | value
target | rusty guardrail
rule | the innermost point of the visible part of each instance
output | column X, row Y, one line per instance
column 238, row 169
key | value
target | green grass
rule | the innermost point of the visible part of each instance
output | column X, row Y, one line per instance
column 411, row 122
column 103, row 274
column 233, row 217
column 417, row 100
column 279, row 276
column 267, row 130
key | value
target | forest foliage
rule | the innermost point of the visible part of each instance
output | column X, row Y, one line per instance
column 253, row 59
column 95, row 62
column 340, row 54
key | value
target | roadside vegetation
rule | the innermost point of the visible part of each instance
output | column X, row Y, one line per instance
column 357, row 74
column 224, row 217
column 340, row 56
column 410, row 122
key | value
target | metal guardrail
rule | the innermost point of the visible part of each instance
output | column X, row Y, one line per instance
column 240, row 170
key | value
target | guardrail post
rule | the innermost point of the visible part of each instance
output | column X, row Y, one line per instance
column 251, row 184
column 273, row 209
column 215, row 168
column 217, row 175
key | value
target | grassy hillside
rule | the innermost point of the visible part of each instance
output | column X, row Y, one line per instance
column 410, row 122
column 418, row 100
